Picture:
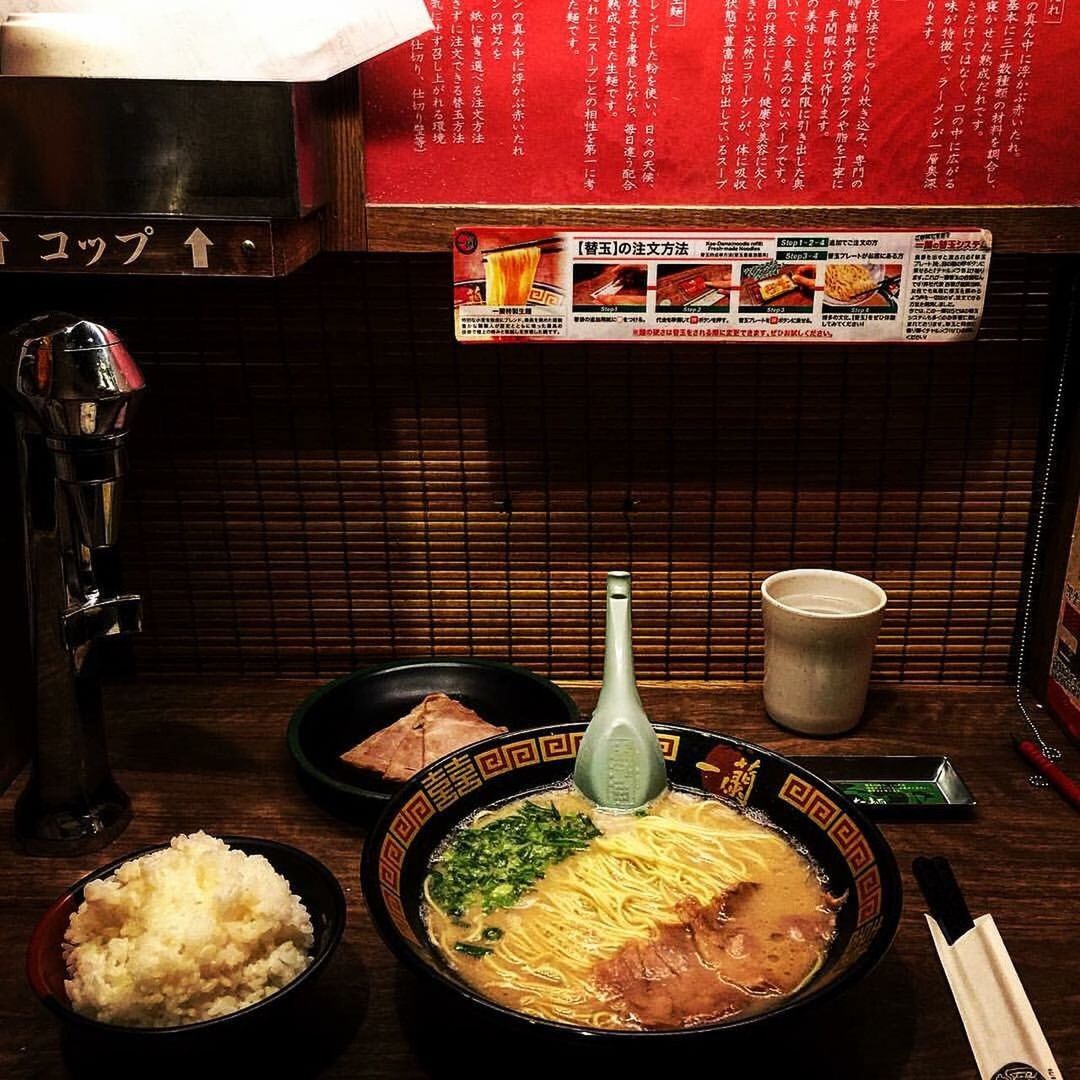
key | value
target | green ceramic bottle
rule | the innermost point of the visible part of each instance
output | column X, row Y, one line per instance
column 620, row 765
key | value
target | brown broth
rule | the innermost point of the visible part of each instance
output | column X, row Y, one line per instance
column 577, row 948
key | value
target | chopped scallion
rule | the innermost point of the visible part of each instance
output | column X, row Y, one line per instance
column 493, row 865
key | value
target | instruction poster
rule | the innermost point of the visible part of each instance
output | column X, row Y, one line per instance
column 538, row 284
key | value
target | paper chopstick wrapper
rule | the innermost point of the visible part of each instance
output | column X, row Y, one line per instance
column 1001, row 1026
column 226, row 40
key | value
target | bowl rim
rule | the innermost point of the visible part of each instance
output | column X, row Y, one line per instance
column 358, row 791
column 881, row 597
column 336, row 919
column 891, row 911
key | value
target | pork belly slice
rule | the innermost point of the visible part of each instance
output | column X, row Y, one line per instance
column 449, row 735
column 756, row 949
column 448, row 726
column 376, row 751
column 664, row 983
column 716, row 960
column 409, row 756
column 437, row 726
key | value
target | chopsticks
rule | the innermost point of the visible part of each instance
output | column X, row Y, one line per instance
column 942, row 891
column 1002, row 1028
column 547, row 245
column 883, row 284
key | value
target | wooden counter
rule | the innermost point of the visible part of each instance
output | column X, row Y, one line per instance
column 212, row 755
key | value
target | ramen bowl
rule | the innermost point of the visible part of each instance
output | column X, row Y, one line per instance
column 816, row 818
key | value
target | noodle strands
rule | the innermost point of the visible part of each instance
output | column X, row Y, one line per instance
column 509, row 275
column 692, row 894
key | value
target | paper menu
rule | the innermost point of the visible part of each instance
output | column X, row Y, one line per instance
column 223, row 40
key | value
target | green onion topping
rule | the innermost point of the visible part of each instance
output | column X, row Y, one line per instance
column 493, row 865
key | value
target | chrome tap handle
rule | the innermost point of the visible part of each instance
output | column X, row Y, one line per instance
column 76, row 377
column 74, row 385
column 104, row 618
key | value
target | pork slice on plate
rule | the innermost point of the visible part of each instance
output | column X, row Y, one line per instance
column 409, row 757
column 445, row 736
column 449, row 725
column 438, row 725
column 377, row 750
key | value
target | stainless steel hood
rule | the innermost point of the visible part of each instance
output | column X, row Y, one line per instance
column 118, row 146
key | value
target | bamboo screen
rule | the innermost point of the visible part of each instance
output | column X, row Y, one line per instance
column 321, row 478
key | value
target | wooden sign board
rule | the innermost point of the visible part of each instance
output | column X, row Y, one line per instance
column 153, row 244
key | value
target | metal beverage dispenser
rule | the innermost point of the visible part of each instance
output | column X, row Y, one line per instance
column 73, row 386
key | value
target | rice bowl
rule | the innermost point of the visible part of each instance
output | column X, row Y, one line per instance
column 311, row 880
column 190, row 932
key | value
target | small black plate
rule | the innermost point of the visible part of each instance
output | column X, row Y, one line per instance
column 346, row 711
column 897, row 786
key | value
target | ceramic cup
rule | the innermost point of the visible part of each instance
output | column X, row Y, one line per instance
column 820, row 629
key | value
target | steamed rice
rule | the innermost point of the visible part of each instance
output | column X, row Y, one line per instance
column 193, row 931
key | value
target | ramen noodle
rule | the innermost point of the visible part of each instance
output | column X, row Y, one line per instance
column 688, row 914
column 509, row 275
column 846, row 281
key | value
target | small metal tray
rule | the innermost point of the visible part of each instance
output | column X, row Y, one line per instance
column 896, row 786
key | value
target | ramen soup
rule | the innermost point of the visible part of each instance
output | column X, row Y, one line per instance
column 683, row 914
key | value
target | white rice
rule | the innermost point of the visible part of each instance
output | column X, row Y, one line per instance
column 193, row 931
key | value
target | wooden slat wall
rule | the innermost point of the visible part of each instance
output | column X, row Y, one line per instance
column 322, row 478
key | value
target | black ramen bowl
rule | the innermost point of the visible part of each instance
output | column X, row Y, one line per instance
column 346, row 711
column 836, row 834
column 308, row 878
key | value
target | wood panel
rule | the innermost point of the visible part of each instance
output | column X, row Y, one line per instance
column 337, row 108
column 1062, row 485
column 322, row 478
column 159, row 245
column 1035, row 229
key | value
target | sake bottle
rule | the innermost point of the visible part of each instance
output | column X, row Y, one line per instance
column 620, row 765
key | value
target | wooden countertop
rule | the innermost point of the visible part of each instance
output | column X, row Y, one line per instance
column 211, row 755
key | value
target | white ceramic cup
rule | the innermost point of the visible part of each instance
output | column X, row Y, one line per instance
column 820, row 629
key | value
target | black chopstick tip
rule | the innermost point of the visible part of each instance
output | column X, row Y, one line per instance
column 547, row 245
column 943, row 896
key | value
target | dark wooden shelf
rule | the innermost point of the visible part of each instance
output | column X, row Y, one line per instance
column 1035, row 229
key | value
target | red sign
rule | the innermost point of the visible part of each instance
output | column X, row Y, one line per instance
column 740, row 102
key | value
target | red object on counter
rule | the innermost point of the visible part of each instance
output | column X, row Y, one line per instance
column 1063, row 706
column 1063, row 682
column 1058, row 779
